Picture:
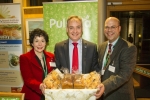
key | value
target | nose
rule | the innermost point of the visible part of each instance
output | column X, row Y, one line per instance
column 74, row 30
column 109, row 28
column 40, row 43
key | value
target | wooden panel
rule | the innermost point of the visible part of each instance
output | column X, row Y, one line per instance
column 30, row 12
column 33, row 13
column 124, row 0
column 129, row 8
column 142, row 71
column 136, row 2
column 25, row 3
column 126, row 8
column 136, row 83
column 114, row 0
column 131, row 2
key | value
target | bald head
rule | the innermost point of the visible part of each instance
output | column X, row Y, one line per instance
column 112, row 28
column 114, row 19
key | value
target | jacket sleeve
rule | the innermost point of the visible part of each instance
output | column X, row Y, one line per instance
column 125, row 64
column 27, row 75
column 95, row 60
column 57, row 60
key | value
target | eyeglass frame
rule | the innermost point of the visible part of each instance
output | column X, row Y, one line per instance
column 112, row 27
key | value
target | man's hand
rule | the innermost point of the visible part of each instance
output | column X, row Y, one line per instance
column 100, row 91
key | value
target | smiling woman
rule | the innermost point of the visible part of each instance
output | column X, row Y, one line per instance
column 37, row 60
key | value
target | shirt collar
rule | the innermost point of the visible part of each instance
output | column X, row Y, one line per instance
column 79, row 41
column 113, row 43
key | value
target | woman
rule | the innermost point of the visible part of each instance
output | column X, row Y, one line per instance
column 35, row 65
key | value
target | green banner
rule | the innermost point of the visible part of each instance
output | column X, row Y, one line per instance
column 55, row 15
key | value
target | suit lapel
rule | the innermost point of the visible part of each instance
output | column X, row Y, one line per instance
column 66, row 51
column 84, row 50
column 116, row 49
column 33, row 59
column 102, row 52
column 115, row 52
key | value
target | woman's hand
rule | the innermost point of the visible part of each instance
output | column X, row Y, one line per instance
column 42, row 87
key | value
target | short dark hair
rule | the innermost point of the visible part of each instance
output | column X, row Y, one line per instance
column 38, row 32
column 72, row 17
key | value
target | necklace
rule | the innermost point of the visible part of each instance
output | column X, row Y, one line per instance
column 43, row 62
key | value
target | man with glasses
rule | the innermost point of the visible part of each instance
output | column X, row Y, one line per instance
column 117, row 61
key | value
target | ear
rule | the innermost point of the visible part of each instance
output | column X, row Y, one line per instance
column 119, row 28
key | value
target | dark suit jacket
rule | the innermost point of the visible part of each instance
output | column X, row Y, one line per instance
column 89, row 55
column 119, row 84
column 32, row 74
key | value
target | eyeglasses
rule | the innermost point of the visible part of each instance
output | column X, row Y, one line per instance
column 112, row 27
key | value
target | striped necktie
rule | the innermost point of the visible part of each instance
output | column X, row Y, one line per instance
column 107, row 56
